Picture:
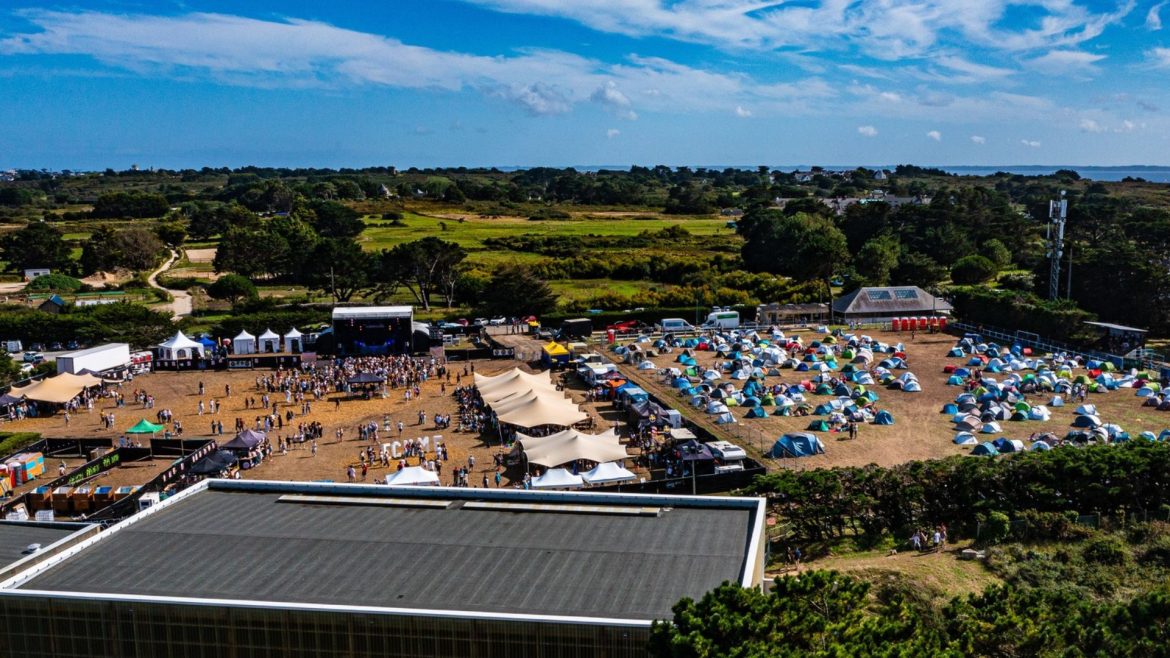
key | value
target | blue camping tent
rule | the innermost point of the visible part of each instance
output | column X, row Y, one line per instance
column 797, row 444
column 756, row 412
column 883, row 417
column 985, row 449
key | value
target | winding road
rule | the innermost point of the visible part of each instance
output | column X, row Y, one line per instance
column 181, row 306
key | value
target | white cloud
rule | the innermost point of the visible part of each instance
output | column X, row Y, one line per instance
column 891, row 96
column 885, row 29
column 614, row 100
column 612, row 132
column 741, row 112
column 1158, row 57
column 1058, row 62
column 251, row 52
column 1031, row 143
column 971, row 72
column 1091, row 126
column 935, row 135
column 867, row 131
column 978, row 139
column 1154, row 17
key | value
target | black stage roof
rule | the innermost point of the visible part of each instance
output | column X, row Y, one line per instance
column 572, row 557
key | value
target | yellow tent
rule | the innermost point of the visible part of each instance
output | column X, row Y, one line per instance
column 555, row 349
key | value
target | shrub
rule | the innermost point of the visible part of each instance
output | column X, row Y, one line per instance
column 1157, row 552
column 548, row 214
column 973, row 269
column 54, row 282
column 1023, row 281
column 1106, row 550
column 995, row 528
column 11, row 442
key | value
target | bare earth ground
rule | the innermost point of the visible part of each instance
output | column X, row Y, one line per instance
column 178, row 392
column 920, row 430
column 938, row 573
column 201, row 255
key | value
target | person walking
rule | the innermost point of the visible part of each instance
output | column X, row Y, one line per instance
column 314, row 448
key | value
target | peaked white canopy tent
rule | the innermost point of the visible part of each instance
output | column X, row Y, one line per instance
column 293, row 341
column 269, row 342
column 179, row 347
column 543, row 410
column 558, row 478
column 244, row 343
column 413, row 476
column 608, row 473
column 569, row 446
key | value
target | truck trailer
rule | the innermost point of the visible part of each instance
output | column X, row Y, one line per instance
column 103, row 358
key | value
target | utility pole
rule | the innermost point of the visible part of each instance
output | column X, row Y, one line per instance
column 1057, row 214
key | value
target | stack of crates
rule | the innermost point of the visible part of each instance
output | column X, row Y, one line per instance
column 41, row 498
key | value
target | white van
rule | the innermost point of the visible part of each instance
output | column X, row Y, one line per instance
column 722, row 320
column 668, row 325
column 726, row 451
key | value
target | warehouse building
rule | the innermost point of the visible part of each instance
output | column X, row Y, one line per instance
column 24, row 544
column 316, row 569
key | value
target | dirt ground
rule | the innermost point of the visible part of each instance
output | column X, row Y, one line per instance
column 179, row 393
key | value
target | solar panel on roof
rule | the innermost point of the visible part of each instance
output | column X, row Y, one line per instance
column 878, row 295
column 906, row 293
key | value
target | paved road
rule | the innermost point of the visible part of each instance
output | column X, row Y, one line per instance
column 181, row 306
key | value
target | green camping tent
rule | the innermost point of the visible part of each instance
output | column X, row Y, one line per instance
column 818, row 426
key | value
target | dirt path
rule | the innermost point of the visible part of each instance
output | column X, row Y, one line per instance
column 181, row 306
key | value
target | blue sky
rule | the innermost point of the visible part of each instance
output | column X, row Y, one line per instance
column 584, row 82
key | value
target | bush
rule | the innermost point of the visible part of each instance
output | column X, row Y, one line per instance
column 55, row 283
column 1158, row 552
column 973, row 269
column 1106, row 550
column 1023, row 281
column 11, row 442
column 996, row 527
column 548, row 214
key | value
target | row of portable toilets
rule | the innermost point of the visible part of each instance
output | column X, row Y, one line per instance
column 936, row 323
column 71, row 501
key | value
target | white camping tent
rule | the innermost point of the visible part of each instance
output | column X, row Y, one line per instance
column 608, row 473
column 558, row 478
column 179, row 347
column 269, row 342
column 413, row 476
column 293, row 341
column 245, row 343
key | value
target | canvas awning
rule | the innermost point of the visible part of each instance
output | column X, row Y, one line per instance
column 514, row 380
column 543, row 411
column 413, row 476
column 245, row 440
column 59, row 389
column 366, row 378
column 503, row 390
column 571, row 445
column 558, row 478
column 608, row 473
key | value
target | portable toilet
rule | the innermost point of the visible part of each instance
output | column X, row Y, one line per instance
column 922, row 323
column 62, row 500
column 942, row 323
column 83, row 500
column 102, row 496
column 934, row 323
column 895, row 324
column 41, row 498
column 8, row 475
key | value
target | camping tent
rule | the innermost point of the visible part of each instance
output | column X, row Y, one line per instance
column 608, row 473
column 245, row 343
column 797, row 444
column 413, row 476
column 268, row 342
column 965, row 439
column 558, row 478
column 883, row 417
column 179, row 347
column 985, row 449
column 144, row 426
column 293, row 341
column 818, row 426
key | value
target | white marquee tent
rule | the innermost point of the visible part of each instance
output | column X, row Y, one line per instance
column 179, row 347
column 294, row 341
column 558, row 478
column 608, row 473
column 571, row 445
column 269, row 342
column 413, row 476
column 543, row 410
column 245, row 343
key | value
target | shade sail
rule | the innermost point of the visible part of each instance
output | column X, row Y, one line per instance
column 487, row 381
column 608, row 473
column 571, row 445
column 366, row 378
column 493, row 394
column 413, row 476
column 543, row 411
column 144, row 426
column 558, row 478
column 59, row 389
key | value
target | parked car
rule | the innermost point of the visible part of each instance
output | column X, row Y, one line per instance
column 481, row 322
column 497, row 321
column 56, row 347
column 33, row 357
column 450, row 325
column 72, row 345
column 37, row 347
column 463, row 322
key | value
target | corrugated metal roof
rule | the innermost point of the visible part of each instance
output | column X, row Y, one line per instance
column 248, row 546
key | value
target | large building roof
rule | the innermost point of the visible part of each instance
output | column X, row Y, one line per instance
column 372, row 312
column 890, row 301
column 17, row 536
column 414, row 551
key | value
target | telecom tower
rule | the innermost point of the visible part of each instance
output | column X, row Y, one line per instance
column 1057, row 214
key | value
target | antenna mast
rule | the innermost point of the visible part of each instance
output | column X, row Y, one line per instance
column 1057, row 214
